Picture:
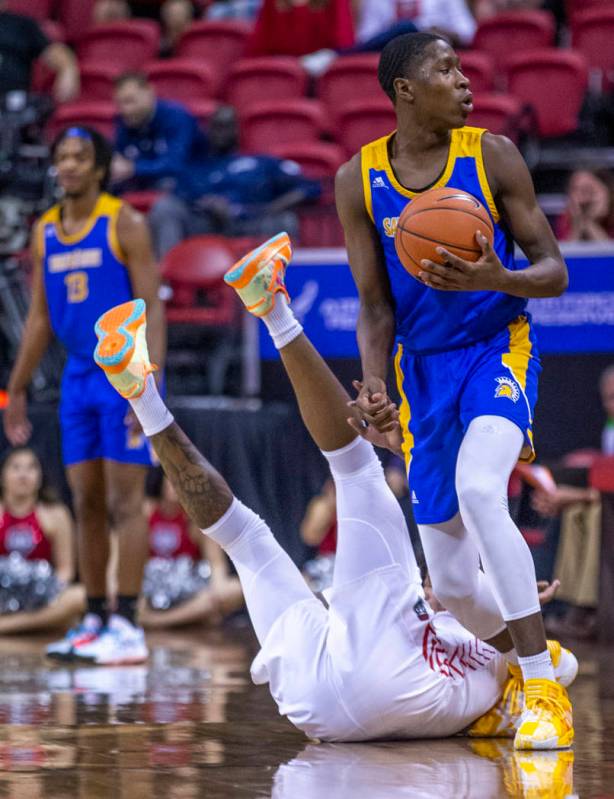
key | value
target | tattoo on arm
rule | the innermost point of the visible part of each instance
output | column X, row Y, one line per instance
column 202, row 491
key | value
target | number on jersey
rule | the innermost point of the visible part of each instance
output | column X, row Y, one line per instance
column 77, row 289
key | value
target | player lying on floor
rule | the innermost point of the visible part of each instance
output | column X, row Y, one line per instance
column 372, row 665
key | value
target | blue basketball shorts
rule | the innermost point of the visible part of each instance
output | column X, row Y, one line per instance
column 441, row 393
column 93, row 420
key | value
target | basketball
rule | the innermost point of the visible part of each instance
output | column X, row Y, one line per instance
column 445, row 217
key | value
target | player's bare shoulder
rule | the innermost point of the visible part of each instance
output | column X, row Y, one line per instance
column 348, row 185
column 129, row 220
column 502, row 161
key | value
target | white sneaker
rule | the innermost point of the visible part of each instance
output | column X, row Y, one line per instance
column 120, row 643
column 85, row 633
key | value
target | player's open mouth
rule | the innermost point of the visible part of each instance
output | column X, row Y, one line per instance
column 467, row 103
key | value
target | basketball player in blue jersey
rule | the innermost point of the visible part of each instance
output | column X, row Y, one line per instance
column 465, row 354
column 89, row 252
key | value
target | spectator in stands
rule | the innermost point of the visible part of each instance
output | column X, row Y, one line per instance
column 233, row 9
column 110, row 11
column 156, row 140
column 21, row 42
column 299, row 27
column 34, row 526
column 589, row 215
column 173, row 537
column 383, row 20
column 579, row 508
column 231, row 193
column 174, row 16
column 483, row 9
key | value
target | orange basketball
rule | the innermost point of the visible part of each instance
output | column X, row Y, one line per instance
column 445, row 217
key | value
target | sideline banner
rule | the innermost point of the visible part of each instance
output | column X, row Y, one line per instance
column 582, row 320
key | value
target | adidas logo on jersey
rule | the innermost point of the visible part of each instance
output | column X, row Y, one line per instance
column 414, row 498
column 378, row 183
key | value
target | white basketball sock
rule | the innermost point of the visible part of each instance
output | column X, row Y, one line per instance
column 281, row 322
column 537, row 667
column 150, row 409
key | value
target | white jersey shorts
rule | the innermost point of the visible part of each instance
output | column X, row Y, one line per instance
column 377, row 664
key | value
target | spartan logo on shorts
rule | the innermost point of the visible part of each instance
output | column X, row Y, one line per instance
column 506, row 387
column 421, row 610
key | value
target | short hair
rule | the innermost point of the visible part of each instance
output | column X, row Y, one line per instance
column 140, row 78
column 401, row 56
column 103, row 152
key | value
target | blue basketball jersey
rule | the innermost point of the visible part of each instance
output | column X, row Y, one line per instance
column 85, row 275
column 428, row 320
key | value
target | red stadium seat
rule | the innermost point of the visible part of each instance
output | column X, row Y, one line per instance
column 39, row 9
column 217, row 44
column 349, row 79
column 592, row 35
column 75, row 16
column 253, row 80
column 364, row 121
column 97, row 82
column 203, row 109
column 142, row 200
column 572, row 7
column 120, row 45
column 500, row 113
column 270, row 124
column 317, row 159
column 553, row 82
column 98, row 115
column 479, row 68
column 514, row 32
column 181, row 79
column 199, row 264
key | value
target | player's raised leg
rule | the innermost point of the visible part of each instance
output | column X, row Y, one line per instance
column 270, row 581
column 372, row 532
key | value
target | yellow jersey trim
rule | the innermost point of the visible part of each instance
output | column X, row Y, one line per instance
column 106, row 205
column 517, row 361
column 484, row 185
column 366, row 183
column 464, row 142
column 404, row 409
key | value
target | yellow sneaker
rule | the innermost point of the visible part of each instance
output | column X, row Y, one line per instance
column 502, row 720
column 537, row 775
column 564, row 664
column 121, row 351
column 547, row 722
column 259, row 275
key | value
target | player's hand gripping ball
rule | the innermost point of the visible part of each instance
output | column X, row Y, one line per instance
column 445, row 217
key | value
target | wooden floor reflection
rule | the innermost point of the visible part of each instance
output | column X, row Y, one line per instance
column 190, row 724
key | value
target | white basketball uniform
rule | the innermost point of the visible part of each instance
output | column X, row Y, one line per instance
column 378, row 663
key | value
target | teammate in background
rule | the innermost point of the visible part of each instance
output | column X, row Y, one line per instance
column 38, row 527
column 466, row 360
column 90, row 251
column 172, row 535
column 372, row 665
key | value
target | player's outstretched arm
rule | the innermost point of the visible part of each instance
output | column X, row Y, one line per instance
column 135, row 241
column 34, row 342
column 375, row 328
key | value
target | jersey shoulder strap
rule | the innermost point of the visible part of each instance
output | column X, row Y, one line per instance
column 373, row 155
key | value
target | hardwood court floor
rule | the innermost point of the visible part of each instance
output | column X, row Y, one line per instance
column 190, row 724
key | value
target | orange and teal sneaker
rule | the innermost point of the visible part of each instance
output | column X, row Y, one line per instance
column 121, row 351
column 259, row 275
column 547, row 722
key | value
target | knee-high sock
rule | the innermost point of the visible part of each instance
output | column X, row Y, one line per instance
column 486, row 458
column 371, row 529
column 453, row 562
column 270, row 580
